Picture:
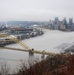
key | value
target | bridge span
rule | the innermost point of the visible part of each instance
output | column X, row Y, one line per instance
column 26, row 48
column 31, row 51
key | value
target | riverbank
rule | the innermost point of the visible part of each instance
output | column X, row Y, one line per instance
column 20, row 34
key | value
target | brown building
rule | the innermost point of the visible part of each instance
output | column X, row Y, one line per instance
column 62, row 27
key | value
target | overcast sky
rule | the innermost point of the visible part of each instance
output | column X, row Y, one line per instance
column 37, row 10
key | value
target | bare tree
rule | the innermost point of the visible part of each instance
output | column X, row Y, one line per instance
column 4, row 69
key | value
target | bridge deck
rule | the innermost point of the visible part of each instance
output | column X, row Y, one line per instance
column 34, row 51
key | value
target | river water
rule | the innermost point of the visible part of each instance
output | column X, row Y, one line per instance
column 51, row 41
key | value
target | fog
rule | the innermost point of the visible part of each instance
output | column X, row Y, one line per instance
column 35, row 10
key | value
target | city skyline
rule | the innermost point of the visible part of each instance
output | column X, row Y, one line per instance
column 35, row 10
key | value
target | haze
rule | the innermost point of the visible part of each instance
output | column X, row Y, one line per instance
column 35, row 10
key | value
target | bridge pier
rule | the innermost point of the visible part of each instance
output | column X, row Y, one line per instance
column 31, row 52
column 31, row 56
column 43, row 54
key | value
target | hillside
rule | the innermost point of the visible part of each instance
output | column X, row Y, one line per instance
column 52, row 65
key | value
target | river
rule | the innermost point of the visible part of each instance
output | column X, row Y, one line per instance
column 51, row 41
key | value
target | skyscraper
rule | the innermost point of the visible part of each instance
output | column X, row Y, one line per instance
column 70, row 21
column 65, row 22
column 56, row 20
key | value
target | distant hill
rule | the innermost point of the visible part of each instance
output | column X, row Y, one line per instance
column 20, row 23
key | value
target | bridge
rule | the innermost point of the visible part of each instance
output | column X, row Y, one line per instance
column 26, row 48
column 69, row 48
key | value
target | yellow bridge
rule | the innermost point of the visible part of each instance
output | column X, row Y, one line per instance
column 26, row 48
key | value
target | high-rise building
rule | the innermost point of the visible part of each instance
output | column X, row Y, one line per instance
column 70, row 21
column 65, row 22
column 56, row 20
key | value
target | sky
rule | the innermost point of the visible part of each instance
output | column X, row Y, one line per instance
column 36, row 10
